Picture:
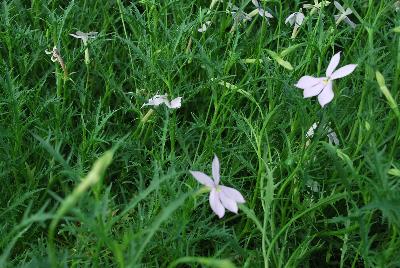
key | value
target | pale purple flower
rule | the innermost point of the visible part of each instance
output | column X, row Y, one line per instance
column 343, row 16
column 163, row 99
column 221, row 197
column 323, row 86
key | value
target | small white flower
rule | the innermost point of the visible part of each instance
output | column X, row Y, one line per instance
column 317, row 6
column 397, row 6
column 295, row 19
column 332, row 136
column 343, row 16
column 260, row 11
column 221, row 197
column 85, row 37
column 204, row 26
column 160, row 99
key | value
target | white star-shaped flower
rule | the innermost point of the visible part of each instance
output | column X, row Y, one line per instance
column 343, row 16
column 157, row 100
column 221, row 197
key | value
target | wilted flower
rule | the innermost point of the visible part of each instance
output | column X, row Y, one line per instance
column 323, row 86
column 221, row 197
column 204, row 26
column 343, row 15
column 56, row 57
column 332, row 136
column 85, row 37
column 295, row 19
column 317, row 6
column 160, row 99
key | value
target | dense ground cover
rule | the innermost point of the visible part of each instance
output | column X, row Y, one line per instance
column 309, row 203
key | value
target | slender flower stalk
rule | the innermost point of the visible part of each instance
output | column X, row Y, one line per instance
column 221, row 197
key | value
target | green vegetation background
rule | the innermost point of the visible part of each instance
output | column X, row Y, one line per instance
column 145, row 210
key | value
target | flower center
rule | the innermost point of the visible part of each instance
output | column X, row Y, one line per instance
column 218, row 189
column 325, row 81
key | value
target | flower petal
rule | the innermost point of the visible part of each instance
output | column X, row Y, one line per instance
column 343, row 71
column 175, row 103
column 299, row 18
column 233, row 194
column 339, row 7
column 228, row 203
column 256, row 3
column 326, row 95
column 264, row 13
column 216, row 170
column 307, row 82
column 333, row 64
column 314, row 91
column 350, row 23
column 157, row 100
column 332, row 137
column 216, row 204
column 202, row 178
column 311, row 131
column 291, row 19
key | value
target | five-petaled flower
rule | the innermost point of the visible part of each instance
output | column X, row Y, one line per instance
column 221, row 197
column 343, row 15
column 323, row 86
column 160, row 99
